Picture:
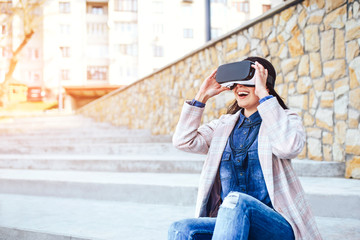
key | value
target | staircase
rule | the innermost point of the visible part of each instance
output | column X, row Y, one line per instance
column 68, row 177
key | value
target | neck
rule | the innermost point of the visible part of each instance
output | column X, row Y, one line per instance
column 249, row 112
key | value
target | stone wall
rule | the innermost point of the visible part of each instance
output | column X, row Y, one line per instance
column 314, row 46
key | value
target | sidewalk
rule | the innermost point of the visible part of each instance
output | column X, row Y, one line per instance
column 110, row 220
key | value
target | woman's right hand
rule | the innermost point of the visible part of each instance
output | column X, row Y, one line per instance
column 209, row 88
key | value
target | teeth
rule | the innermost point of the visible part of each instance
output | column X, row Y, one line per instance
column 240, row 93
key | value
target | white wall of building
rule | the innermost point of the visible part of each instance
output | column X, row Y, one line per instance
column 129, row 45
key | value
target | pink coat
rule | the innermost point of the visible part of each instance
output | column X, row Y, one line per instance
column 281, row 138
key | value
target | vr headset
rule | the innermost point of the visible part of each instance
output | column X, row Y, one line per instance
column 228, row 75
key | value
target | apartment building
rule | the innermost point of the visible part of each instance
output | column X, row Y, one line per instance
column 116, row 42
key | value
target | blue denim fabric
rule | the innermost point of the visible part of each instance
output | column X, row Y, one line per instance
column 243, row 217
column 240, row 217
column 240, row 168
column 192, row 229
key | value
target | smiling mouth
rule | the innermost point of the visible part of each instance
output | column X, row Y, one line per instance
column 242, row 94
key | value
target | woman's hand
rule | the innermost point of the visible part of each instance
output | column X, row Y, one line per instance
column 209, row 88
column 261, row 75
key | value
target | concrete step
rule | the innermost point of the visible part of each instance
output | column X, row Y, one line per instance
column 333, row 197
column 329, row 197
column 33, row 217
column 72, row 130
column 179, row 189
column 44, row 118
column 89, row 149
column 88, row 138
column 162, row 163
column 311, row 168
column 32, row 126
column 40, row 139
column 56, row 125
column 181, row 162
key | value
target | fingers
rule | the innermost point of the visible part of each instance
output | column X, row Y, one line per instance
column 224, row 89
column 260, row 70
column 213, row 74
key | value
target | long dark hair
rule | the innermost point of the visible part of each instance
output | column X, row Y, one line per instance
column 234, row 107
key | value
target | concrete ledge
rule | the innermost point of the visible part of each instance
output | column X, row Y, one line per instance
column 311, row 168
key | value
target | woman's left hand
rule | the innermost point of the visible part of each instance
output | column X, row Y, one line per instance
column 260, row 80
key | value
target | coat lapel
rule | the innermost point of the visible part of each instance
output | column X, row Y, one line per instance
column 211, row 165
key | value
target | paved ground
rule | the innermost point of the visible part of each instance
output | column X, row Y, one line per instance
column 109, row 220
column 90, row 218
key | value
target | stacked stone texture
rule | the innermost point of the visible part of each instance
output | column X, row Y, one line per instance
column 314, row 46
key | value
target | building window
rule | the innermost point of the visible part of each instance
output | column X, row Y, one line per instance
column 158, row 51
column 96, row 8
column 97, row 29
column 33, row 53
column 65, row 52
column 5, row 52
column 215, row 32
column 188, row 33
column 34, row 78
column 241, row 6
column 125, row 5
column 128, row 72
column 128, row 49
column 64, row 7
column 65, row 74
column 65, row 29
column 129, row 28
column 266, row 7
column 5, row 7
column 97, row 73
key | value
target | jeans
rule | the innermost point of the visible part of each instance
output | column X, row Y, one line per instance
column 240, row 217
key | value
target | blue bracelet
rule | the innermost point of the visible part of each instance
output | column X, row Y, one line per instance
column 197, row 103
column 265, row 98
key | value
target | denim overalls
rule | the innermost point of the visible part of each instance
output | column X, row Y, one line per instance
column 240, row 168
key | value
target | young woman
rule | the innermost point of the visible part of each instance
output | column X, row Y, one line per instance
column 248, row 189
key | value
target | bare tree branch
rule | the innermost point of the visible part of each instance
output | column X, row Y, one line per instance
column 27, row 11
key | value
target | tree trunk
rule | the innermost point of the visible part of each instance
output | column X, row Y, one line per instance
column 12, row 65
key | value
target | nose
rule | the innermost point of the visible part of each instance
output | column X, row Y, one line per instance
column 233, row 86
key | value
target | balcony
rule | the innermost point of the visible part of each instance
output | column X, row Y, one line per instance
column 96, row 11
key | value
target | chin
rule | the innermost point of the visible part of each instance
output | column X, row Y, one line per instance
column 240, row 104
